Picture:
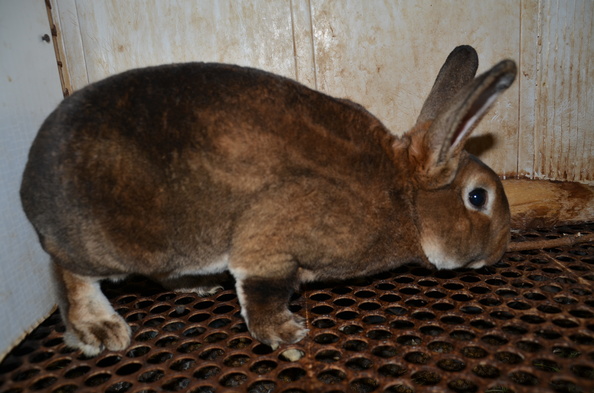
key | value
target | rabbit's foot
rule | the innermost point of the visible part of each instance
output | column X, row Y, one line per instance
column 93, row 335
column 264, row 306
column 91, row 322
column 280, row 328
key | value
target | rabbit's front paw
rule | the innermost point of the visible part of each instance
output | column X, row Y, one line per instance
column 92, row 336
column 264, row 301
column 282, row 328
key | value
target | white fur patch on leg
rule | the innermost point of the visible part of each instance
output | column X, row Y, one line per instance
column 242, row 300
column 92, row 323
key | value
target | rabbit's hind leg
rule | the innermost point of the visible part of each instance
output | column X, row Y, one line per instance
column 91, row 322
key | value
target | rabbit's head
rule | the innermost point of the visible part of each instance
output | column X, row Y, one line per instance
column 461, row 210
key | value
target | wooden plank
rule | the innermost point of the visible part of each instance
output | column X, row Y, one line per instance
column 69, row 45
column 303, row 43
column 527, row 76
column 564, row 137
column 544, row 204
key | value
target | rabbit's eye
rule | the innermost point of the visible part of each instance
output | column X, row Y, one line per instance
column 477, row 197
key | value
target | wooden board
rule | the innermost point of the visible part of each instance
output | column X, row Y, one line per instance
column 556, row 119
column 544, row 204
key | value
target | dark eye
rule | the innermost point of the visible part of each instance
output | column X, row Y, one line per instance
column 477, row 197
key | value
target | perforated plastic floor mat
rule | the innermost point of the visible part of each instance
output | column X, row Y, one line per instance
column 523, row 325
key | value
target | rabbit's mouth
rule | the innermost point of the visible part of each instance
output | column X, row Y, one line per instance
column 436, row 255
column 483, row 260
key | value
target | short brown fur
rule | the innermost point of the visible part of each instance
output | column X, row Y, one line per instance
column 193, row 169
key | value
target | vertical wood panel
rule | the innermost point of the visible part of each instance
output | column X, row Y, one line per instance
column 529, row 44
column 69, row 44
column 303, row 43
column 564, row 126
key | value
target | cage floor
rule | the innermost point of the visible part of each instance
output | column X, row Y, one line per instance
column 523, row 325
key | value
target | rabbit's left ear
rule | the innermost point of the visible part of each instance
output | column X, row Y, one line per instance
column 457, row 71
column 438, row 139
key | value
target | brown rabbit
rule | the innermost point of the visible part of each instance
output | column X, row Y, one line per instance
column 181, row 172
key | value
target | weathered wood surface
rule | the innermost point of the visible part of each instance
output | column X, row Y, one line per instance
column 543, row 204
column 383, row 54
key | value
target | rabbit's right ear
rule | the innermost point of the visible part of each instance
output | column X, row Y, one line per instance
column 454, row 107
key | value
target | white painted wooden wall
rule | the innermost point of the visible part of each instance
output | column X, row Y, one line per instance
column 29, row 90
column 383, row 54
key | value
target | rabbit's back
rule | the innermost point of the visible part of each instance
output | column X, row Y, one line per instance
column 156, row 164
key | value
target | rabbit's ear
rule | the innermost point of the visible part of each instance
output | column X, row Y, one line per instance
column 440, row 142
column 457, row 71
